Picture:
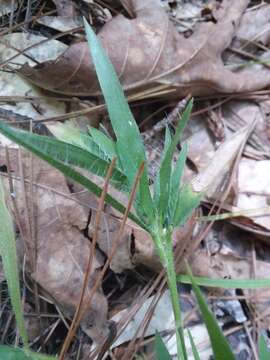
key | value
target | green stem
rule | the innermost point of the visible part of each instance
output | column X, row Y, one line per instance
column 164, row 246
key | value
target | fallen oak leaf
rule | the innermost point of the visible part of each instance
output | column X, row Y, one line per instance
column 148, row 51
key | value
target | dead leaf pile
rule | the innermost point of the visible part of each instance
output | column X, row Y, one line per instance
column 148, row 51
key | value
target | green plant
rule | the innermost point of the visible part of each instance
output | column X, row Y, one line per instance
column 264, row 352
column 158, row 211
column 9, row 260
column 220, row 346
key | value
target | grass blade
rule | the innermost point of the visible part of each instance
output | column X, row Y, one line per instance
column 10, row 353
column 220, row 346
column 226, row 283
column 65, row 169
column 166, row 166
column 72, row 135
column 187, row 201
column 193, row 347
column 10, row 264
column 64, row 152
column 176, row 179
column 264, row 352
column 129, row 145
column 157, row 190
column 104, row 142
column 160, row 348
column 124, row 125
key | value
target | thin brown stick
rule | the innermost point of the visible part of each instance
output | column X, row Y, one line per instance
column 78, row 313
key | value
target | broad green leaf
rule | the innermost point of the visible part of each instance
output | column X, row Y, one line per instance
column 160, row 349
column 193, row 347
column 226, row 283
column 176, row 179
column 64, row 152
column 10, row 353
column 264, row 352
column 10, row 264
column 166, row 166
column 129, row 145
column 104, row 142
column 187, row 202
column 41, row 152
column 220, row 345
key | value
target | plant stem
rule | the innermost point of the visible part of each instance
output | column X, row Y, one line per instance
column 163, row 241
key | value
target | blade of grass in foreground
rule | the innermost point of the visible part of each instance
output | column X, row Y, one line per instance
column 220, row 345
column 226, row 283
column 10, row 264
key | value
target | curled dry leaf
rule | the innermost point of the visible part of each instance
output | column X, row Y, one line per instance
column 148, row 51
column 61, row 248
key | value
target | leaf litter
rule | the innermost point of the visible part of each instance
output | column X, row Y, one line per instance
column 150, row 52
column 223, row 55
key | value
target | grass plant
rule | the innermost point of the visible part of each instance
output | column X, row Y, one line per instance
column 158, row 210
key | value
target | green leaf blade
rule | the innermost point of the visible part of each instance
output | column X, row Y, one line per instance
column 10, row 264
column 193, row 346
column 165, row 171
column 10, row 353
column 129, row 145
column 188, row 200
column 176, row 179
column 220, row 345
column 160, row 349
column 264, row 352
column 63, row 152
column 66, row 170
column 72, row 135
column 103, row 141
column 226, row 283
column 124, row 125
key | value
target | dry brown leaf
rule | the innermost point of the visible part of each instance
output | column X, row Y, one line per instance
column 254, row 188
column 147, row 51
column 255, row 26
column 62, row 249
column 232, row 259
